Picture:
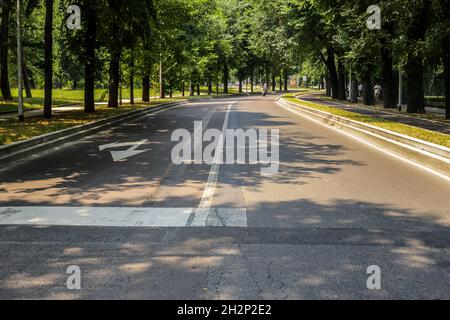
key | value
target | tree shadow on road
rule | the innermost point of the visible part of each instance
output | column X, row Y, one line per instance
column 79, row 174
column 294, row 248
column 288, row 257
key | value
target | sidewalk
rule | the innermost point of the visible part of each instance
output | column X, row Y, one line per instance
column 436, row 126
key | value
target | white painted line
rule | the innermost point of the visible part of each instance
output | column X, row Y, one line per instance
column 200, row 215
column 117, row 217
column 436, row 173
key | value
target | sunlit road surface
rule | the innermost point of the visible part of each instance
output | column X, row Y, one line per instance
column 145, row 228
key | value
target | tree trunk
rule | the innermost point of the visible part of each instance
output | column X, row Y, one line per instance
column 132, row 64
column 30, row 77
column 146, row 88
column 26, row 80
column 131, row 89
column 388, row 80
column 415, row 69
column 328, row 87
column 267, row 76
column 48, row 64
column 120, row 88
column 162, row 87
column 209, row 87
column 89, row 67
column 281, row 82
column 274, row 82
column 4, row 50
column 446, row 58
column 367, row 89
column 183, row 88
column 387, row 71
column 191, row 89
column 341, row 81
column 416, row 95
column 225, row 78
column 334, row 81
column 240, row 85
column 354, row 84
column 114, row 78
column 198, row 89
column 251, row 83
column 286, row 78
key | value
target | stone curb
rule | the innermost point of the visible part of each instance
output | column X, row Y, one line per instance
column 427, row 154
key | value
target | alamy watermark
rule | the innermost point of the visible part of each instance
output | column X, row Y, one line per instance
column 374, row 280
column 231, row 146
column 74, row 20
column 74, row 280
column 374, row 20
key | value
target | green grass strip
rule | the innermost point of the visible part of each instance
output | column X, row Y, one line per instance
column 414, row 132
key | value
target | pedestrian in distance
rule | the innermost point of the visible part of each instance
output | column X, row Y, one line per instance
column 377, row 92
column 360, row 90
column 264, row 89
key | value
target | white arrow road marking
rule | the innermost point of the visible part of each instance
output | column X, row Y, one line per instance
column 124, row 144
column 125, row 154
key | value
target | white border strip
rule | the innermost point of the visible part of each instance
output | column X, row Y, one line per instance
column 117, row 217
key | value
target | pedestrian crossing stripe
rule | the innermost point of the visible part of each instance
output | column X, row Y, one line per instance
column 120, row 217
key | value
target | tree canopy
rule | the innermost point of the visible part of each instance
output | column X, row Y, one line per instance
column 183, row 44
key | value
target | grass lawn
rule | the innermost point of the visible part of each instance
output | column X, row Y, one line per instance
column 68, row 97
column 12, row 131
column 426, row 116
column 30, row 104
column 418, row 133
column 78, row 95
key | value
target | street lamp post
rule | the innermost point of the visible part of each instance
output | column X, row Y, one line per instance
column 19, row 61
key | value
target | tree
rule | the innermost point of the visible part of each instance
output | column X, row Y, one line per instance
column 416, row 24
column 89, row 55
column 439, row 42
column 7, row 6
column 48, row 41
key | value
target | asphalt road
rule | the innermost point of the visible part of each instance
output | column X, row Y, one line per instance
column 145, row 228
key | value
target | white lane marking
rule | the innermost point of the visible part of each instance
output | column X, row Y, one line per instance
column 201, row 213
column 436, row 173
column 117, row 217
